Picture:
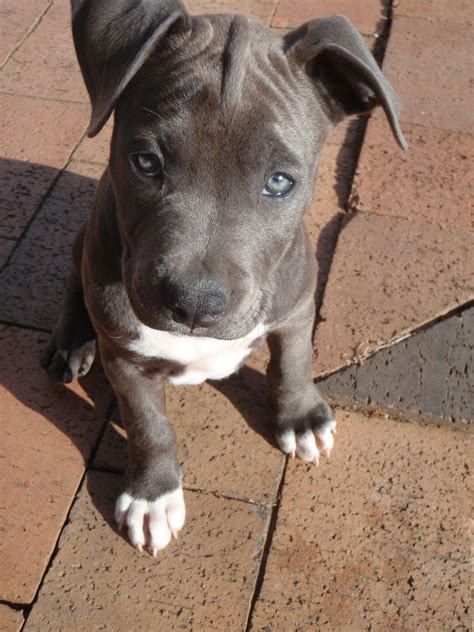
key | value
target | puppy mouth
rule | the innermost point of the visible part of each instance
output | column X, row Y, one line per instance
column 229, row 327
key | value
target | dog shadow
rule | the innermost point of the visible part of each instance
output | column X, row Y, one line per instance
column 32, row 281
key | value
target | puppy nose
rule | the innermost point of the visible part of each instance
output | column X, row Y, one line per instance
column 195, row 304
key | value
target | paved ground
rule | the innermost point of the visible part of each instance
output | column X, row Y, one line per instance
column 377, row 538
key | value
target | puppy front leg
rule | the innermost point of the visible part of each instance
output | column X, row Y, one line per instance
column 151, row 505
column 304, row 422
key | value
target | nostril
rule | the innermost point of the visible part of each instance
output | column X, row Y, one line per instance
column 179, row 315
column 193, row 304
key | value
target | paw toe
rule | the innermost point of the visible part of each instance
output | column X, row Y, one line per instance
column 151, row 523
column 325, row 438
column 306, row 448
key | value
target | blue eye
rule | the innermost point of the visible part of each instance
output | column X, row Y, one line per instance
column 277, row 185
column 146, row 163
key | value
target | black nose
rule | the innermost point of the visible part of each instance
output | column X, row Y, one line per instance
column 197, row 303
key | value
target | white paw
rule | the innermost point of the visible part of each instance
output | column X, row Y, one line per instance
column 151, row 523
column 309, row 444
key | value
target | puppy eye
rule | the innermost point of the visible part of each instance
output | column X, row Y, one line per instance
column 277, row 185
column 147, row 163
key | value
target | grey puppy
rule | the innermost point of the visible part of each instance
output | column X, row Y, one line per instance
column 195, row 248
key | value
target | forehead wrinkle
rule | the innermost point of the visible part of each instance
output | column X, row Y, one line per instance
column 234, row 63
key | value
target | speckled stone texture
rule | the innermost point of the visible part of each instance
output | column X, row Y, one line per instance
column 368, row 16
column 6, row 247
column 461, row 11
column 400, row 184
column 388, row 277
column 204, row 581
column 10, row 620
column 376, row 539
column 225, row 442
column 33, row 282
column 430, row 63
column 47, row 433
column 17, row 17
column 46, row 65
column 260, row 10
column 430, row 375
column 33, row 154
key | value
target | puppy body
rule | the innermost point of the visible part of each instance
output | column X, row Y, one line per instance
column 192, row 252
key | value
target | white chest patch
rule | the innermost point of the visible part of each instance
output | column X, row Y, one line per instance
column 202, row 358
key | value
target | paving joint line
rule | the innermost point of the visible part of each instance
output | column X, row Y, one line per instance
column 379, row 50
column 29, row 607
column 36, row 22
column 35, row 97
column 19, row 607
column 198, row 490
column 432, row 20
column 8, row 323
column 274, row 12
column 403, row 416
column 89, row 162
column 43, row 200
column 267, row 546
column 357, row 361
column 366, row 211
column 435, row 128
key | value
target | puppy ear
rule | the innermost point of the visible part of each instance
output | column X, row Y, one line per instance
column 343, row 69
column 113, row 39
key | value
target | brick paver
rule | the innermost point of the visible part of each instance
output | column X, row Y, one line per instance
column 401, row 184
column 10, row 620
column 48, row 433
column 261, row 10
column 33, row 282
column 374, row 539
column 461, row 11
column 45, row 65
column 204, row 581
column 6, row 246
column 224, row 442
column 388, row 277
column 97, row 149
column 368, row 16
column 378, row 538
column 16, row 18
column 33, row 154
column 430, row 63
column 427, row 376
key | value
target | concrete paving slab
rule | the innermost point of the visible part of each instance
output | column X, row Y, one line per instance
column 401, row 184
column 48, row 432
column 389, row 276
column 33, row 282
column 204, row 581
column 378, row 538
column 428, row 375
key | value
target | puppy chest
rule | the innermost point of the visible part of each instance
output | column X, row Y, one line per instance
column 199, row 358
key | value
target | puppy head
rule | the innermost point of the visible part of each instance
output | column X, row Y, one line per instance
column 219, row 124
